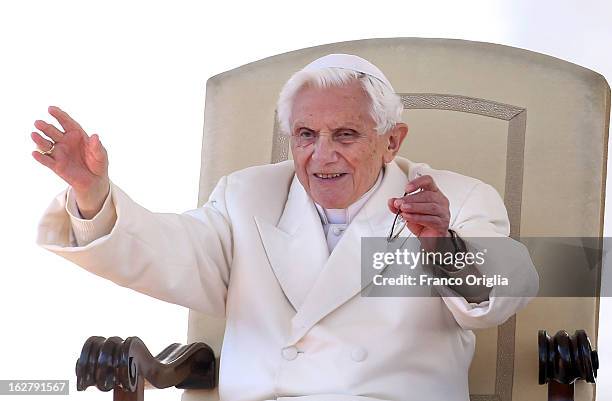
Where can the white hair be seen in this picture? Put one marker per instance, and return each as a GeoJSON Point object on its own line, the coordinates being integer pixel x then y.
{"type": "Point", "coordinates": [385, 106]}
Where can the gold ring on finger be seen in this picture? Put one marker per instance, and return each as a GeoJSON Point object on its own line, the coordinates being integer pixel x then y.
{"type": "Point", "coordinates": [47, 152]}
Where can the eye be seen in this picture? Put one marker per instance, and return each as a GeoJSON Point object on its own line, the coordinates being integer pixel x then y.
{"type": "Point", "coordinates": [347, 136]}
{"type": "Point", "coordinates": [305, 134]}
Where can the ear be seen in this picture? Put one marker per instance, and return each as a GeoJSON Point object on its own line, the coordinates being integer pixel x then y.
{"type": "Point", "coordinates": [396, 136]}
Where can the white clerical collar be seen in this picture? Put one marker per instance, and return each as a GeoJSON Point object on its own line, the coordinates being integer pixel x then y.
{"type": "Point", "coordinates": [345, 216]}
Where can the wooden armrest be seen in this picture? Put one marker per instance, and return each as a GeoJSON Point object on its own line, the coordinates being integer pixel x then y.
{"type": "Point", "coordinates": [126, 366]}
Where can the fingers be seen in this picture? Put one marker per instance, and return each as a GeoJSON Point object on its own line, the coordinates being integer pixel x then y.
{"type": "Point", "coordinates": [64, 119]}
{"type": "Point", "coordinates": [49, 130]}
{"type": "Point", "coordinates": [424, 182]}
{"type": "Point", "coordinates": [42, 143]}
{"type": "Point", "coordinates": [420, 197]}
{"type": "Point", "coordinates": [428, 208]}
{"type": "Point", "coordinates": [432, 222]}
{"type": "Point", "coordinates": [424, 207]}
{"type": "Point", "coordinates": [45, 160]}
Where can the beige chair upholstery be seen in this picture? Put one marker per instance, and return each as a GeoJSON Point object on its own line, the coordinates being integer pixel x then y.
{"type": "Point", "coordinates": [533, 126]}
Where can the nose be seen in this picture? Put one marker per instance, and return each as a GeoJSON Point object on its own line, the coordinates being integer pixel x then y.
{"type": "Point", "coordinates": [325, 150]}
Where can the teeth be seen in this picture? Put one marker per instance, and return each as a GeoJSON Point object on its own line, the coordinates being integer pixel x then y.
{"type": "Point", "coordinates": [328, 175]}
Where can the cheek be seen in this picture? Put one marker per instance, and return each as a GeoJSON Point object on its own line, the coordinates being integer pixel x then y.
{"type": "Point", "coordinates": [366, 164]}
{"type": "Point", "coordinates": [300, 161]}
{"type": "Point", "coordinates": [365, 159]}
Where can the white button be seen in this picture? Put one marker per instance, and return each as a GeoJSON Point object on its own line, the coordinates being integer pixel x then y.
{"type": "Point", "coordinates": [290, 353]}
{"type": "Point", "coordinates": [359, 354]}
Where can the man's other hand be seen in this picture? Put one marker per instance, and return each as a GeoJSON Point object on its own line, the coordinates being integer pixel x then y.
{"type": "Point", "coordinates": [77, 158]}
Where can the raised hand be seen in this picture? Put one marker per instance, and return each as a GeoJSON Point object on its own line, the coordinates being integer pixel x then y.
{"type": "Point", "coordinates": [77, 158]}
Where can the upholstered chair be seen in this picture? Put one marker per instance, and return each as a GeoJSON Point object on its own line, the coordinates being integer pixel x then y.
{"type": "Point", "coordinates": [533, 126]}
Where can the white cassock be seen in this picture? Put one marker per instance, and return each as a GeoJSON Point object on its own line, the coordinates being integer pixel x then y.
{"type": "Point", "coordinates": [297, 327]}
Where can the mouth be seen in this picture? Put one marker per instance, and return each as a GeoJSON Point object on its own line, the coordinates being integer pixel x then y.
{"type": "Point", "coordinates": [329, 177]}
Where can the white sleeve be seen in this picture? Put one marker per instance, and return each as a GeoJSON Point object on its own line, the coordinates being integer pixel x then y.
{"type": "Point", "coordinates": [87, 230]}
{"type": "Point", "coordinates": [482, 222]}
{"type": "Point", "coordinates": [179, 258]}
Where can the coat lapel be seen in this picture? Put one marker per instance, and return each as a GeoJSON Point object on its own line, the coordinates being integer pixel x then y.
{"type": "Point", "coordinates": [296, 247]}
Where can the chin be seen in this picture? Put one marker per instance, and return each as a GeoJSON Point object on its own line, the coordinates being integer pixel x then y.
{"type": "Point", "coordinates": [330, 202]}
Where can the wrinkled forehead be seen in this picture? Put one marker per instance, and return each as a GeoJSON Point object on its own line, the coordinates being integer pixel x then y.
{"type": "Point", "coordinates": [332, 107]}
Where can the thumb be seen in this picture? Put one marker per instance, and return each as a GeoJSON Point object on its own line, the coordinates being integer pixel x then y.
{"type": "Point", "coordinates": [96, 148]}
{"type": "Point", "coordinates": [391, 205]}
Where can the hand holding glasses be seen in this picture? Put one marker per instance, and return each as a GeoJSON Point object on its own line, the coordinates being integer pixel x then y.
{"type": "Point", "coordinates": [423, 209]}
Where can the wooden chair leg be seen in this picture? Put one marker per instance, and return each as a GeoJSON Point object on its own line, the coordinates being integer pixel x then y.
{"type": "Point", "coordinates": [560, 392]}
{"type": "Point", "coordinates": [119, 394]}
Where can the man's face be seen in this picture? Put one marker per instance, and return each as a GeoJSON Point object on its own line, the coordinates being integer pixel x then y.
{"type": "Point", "coordinates": [336, 150]}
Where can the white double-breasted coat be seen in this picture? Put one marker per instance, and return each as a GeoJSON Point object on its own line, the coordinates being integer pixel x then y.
{"type": "Point", "coordinates": [252, 247]}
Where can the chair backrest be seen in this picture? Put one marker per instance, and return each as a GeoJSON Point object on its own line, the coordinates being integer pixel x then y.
{"type": "Point", "coordinates": [533, 126]}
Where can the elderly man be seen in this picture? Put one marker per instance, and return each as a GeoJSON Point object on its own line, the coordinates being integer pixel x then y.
{"type": "Point", "coordinates": [276, 249]}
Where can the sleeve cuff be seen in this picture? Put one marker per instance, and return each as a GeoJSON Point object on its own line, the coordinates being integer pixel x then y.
{"type": "Point", "coordinates": [88, 230]}
{"type": "Point", "coordinates": [447, 292]}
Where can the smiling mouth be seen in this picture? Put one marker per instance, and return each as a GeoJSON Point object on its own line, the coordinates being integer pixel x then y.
{"type": "Point", "coordinates": [329, 176]}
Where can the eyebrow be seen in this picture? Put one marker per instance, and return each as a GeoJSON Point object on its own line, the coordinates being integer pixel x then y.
{"type": "Point", "coordinates": [341, 128]}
